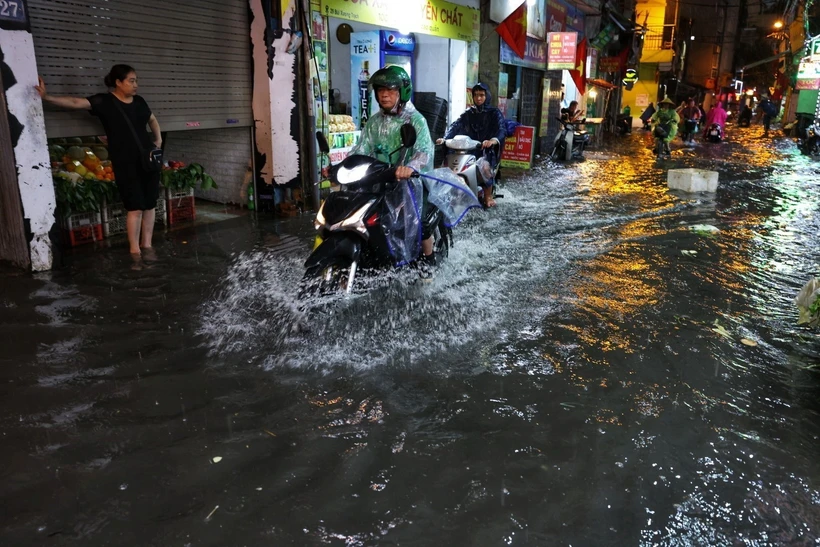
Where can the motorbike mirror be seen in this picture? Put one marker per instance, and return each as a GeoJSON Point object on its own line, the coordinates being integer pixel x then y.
{"type": "Point", "coordinates": [323, 146]}
{"type": "Point", "coordinates": [408, 135]}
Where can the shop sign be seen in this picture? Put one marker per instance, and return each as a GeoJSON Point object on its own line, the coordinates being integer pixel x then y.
{"type": "Point", "coordinates": [433, 17]}
{"type": "Point", "coordinates": [814, 49]}
{"type": "Point", "coordinates": [518, 149]}
{"type": "Point", "coordinates": [561, 54]}
{"type": "Point", "coordinates": [503, 80]}
{"type": "Point", "coordinates": [609, 64]}
{"type": "Point", "coordinates": [631, 77]}
{"type": "Point", "coordinates": [808, 75]}
{"type": "Point", "coordinates": [545, 107]}
{"type": "Point", "coordinates": [556, 16]}
{"type": "Point", "coordinates": [535, 54]}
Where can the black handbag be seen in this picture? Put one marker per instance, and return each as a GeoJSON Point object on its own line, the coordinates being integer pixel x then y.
{"type": "Point", "coordinates": [151, 160]}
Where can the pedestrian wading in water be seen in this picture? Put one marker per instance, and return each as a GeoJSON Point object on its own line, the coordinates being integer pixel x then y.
{"type": "Point", "coordinates": [124, 116]}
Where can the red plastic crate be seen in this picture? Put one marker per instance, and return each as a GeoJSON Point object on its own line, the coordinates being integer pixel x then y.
{"type": "Point", "coordinates": [84, 234]}
{"type": "Point", "coordinates": [82, 228]}
{"type": "Point", "coordinates": [181, 210]}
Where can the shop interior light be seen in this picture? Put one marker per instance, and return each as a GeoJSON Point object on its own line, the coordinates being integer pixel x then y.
{"type": "Point", "coordinates": [692, 38]}
{"type": "Point", "coordinates": [778, 24]}
{"type": "Point", "coordinates": [593, 94]}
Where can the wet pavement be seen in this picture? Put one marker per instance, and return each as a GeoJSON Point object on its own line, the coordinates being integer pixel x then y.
{"type": "Point", "coordinates": [585, 369]}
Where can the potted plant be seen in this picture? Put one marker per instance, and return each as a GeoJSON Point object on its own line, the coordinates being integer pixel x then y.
{"type": "Point", "coordinates": [178, 178]}
{"type": "Point", "coordinates": [179, 181]}
{"type": "Point", "coordinates": [78, 204]}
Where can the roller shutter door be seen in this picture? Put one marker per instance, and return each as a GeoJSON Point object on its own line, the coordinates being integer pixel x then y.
{"type": "Point", "coordinates": [193, 58]}
{"type": "Point", "coordinates": [530, 110]}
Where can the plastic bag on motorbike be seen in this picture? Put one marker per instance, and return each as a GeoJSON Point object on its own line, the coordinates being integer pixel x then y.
{"type": "Point", "coordinates": [450, 194]}
{"type": "Point", "coordinates": [403, 223]}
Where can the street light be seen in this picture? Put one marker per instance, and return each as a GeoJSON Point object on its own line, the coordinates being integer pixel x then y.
{"type": "Point", "coordinates": [778, 24]}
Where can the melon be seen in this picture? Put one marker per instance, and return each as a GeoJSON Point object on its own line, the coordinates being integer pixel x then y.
{"type": "Point", "coordinates": [101, 152]}
{"type": "Point", "coordinates": [76, 153]}
{"type": "Point", "coordinates": [74, 140]}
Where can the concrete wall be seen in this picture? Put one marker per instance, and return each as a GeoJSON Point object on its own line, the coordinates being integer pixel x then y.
{"type": "Point", "coordinates": [274, 98]}
{"type": "Point", "coordinates": [30, 148]}
{"type": "Point", "coordinates": [224, 153]}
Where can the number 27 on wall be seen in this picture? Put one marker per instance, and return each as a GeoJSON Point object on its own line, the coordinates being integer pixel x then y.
{"type": "Point", "coordinates": [10, 9]}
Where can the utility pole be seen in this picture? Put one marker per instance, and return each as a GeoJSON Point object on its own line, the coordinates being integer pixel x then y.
{"type": "Point", "coordinates": [13, 246]}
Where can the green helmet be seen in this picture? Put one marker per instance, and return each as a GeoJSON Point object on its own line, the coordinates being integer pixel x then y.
{"type": "Point", "coordinates": [393, 77]}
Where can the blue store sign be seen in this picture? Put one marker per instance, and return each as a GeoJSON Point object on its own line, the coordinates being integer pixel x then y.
{"type": "Point", "coordinates": [535, 55]}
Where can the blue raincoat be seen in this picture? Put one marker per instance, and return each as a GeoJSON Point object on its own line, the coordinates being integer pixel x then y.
{"type": "Point", "coordinates": [482, 123]}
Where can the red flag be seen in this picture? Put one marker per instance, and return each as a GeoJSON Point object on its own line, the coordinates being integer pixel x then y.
{"type": "Point", "coordinates": [579, 75]}
{"type": "Point", "coordinates": [514, 30]}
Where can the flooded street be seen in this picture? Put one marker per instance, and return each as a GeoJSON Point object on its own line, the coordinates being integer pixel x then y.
{"type": "Point", "coordinates": [584, 369]}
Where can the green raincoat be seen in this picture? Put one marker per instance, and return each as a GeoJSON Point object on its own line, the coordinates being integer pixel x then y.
{"type": "Point", "coordinates": [381, 136]}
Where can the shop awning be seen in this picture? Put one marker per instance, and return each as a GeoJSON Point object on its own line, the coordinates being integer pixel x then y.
{"type": "Point", "coordinates": [603, 84]}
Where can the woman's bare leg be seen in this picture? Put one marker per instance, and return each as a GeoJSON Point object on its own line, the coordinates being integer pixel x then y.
{"type": "Point", "coordinates": [148, 217]}
{"type": "Point", "coordinates": [133, 221]}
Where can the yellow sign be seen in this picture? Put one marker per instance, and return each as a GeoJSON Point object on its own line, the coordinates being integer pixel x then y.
{"type": "Point", "coordinates": [434, 17]}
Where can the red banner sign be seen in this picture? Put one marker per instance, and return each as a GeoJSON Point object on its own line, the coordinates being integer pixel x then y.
{"type": "Point", "coordinates": [561, 50]}
{"type": "Point", "coordinates": [518, 148]}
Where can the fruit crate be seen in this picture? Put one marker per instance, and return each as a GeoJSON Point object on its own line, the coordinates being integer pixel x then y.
{"type": "Point", "coordinates": [82, 228]}
{"type": "Point", "coordinates": [181, 209]}
{"type": "Point", "coordinates": [169, 194]}
{"type": "Point", "coordinates": [113, 217]}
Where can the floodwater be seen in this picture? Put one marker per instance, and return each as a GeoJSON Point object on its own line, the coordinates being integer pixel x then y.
{"type": "Point", "coordinates": [585, 369]}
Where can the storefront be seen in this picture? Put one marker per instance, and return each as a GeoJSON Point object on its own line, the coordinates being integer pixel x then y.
{"type": "Point", "coordinates": [194, 66]}
{"type": "Point", "coordinates": [436, 41]}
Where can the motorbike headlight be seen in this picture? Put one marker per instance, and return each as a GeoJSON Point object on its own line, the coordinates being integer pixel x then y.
{"type": "Point", "coordinates": [356, 220]}
{"type": "Point", "coordinates": [319, 221]}
{"type": "Point", "coordinates": [346, 176]}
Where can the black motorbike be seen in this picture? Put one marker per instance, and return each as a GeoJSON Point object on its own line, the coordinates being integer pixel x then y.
{"type": "Point", "coordinates": [353, 223]}
{"type": "Point", "coordinates": [690, 127]}
{"type": "Point", "coordinates": [661, 147]}
{"type": "Point", "coordinates": [569, 143]}
{"type": "Point", "coordinates": [714, 133]}
{"type": "Point", "coordinates": [809, 141]}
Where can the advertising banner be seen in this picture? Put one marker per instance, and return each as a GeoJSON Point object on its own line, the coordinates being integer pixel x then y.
{"type": "Point", "coordinates": [535, 55]}
{"type": "Point", "coordinates": [556, 16]}
{"type": "Point", "coordinates": [364, 61]}
{"type": "Point", "coordinates": [545, 107]}
{"type": "Point", "coordinates": [434, 17]}
{"type": "Point", "coordinates": [561, 52]}
{"type": "Point", "coordinates": [609, 64]}
{"type": "Point", "coordinates": [808, 75]}
{"type": "Point", "coordinates": [537, 19]}
{"type": "Point", "coordinates": [518, 149]}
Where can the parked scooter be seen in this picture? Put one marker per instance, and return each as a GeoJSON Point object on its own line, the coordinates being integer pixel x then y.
{"type": "Point", "coordinates": [569, 143]}
{"type": "Point", "coordinates": [809, 142]}
{"type": "Point", "coordinates": [462, 158]}
{"type": "Point", "coordinates": [714, 133]}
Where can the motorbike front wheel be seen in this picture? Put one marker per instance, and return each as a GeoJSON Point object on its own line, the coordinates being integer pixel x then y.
{"type": "Point", "coordinates": [326, 280]}
{"type": "Point", "coordinates": [557, 152]}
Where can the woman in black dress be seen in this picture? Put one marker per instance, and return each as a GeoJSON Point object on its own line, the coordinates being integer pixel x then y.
{"type": "Point", "coordinates": [138, 188]}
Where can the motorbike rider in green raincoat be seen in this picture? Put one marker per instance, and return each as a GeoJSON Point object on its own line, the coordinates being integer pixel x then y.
{"type": "Point", "coordinates": [381, 136]}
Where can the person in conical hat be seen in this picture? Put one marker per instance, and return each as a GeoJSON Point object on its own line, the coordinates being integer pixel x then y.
{"type": "Point", "coordinates": [668, 119]}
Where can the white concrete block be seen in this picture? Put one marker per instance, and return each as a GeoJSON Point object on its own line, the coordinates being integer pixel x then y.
{"type": "Point", "coordinates": [692, 180]}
